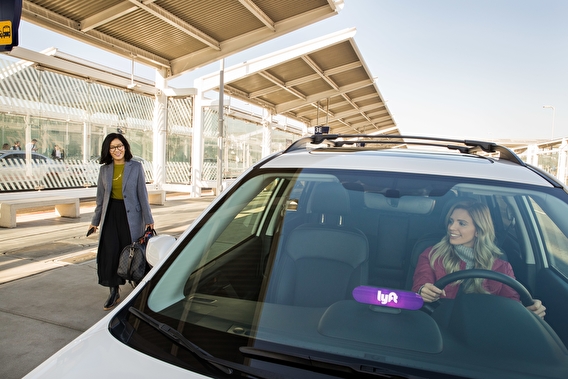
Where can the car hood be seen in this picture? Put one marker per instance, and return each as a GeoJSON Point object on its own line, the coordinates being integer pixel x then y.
{"type": "Point", "coordinates": [97, 354]}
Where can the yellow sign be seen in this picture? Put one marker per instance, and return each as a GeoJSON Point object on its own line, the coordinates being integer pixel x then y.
{"type": "Point", "coordinates": [5, 32]}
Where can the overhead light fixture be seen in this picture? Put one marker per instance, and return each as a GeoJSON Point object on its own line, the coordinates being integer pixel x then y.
{"type": "Point", "coordinates": [132, 85]}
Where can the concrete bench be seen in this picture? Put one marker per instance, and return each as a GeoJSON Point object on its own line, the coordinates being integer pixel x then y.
{"type": "Point", "coordinates": [64, 207]}
{"type": "Point", "coordinates": [157, 197]}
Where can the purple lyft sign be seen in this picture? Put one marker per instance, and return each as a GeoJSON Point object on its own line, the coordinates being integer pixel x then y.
{"type": "Point", "coordinates": [387, 297]}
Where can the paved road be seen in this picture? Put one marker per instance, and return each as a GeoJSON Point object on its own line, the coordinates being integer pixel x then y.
{"type": "Point", "coordinates": [48, 284]}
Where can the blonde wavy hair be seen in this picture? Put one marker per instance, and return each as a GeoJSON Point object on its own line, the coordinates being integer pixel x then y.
{"type": "Point", "coordinates": [485, 252]}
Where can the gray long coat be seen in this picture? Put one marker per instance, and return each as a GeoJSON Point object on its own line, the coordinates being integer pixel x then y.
{"type": "Point", "coordinates": [135, 196]}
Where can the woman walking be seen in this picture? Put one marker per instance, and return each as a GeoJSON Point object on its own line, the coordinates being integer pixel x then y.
{"type": "Point", "coordinates": [122, 209]}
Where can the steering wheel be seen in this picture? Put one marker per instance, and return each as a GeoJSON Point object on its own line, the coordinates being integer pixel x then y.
{"type": "Point", "coordinates": [525, 295]}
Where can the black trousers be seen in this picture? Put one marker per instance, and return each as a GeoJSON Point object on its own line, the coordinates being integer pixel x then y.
{"type": "Point", "coordinates": [115, 236]}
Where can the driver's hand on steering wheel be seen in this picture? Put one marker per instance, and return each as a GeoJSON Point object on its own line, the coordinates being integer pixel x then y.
{"type": "Point", "coordinates": [431, 293]}
{"type": "Point", "coordinates": [537, 308]}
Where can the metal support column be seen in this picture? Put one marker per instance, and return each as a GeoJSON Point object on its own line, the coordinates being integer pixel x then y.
{"type": "Point", "coordinates": [562, 157]}
{"type": "Point", "coordinates": [266, 132]}
{"type": "Point", "coordinates": [160, 129]}
{"type": "Point", "coordinates": [197, 144]}
{"type": "Point", "coordinates": [220, 144]}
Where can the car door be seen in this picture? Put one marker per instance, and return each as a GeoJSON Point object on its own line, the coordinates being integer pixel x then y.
{"type": "Point", "coordinates": [546, 221]}
{"type": "Point", "coordinates": [13, 165]}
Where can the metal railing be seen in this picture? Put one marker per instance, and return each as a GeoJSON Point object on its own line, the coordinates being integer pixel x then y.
{"type": "Point", "coordinates": [17, 175]}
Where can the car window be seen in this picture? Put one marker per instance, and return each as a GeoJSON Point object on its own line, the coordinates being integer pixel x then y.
{"type": "Point", "coordinates": [282, 262]}
{"type": "Point", "coordinates": [554, 239]}
{"type": "Point", "coordinates": [15, 156]}
{"type": "Point", "coordinates": [39, 158]}
{"type": "Point", "coordinates": [245, 224]}
{"type": "Point", "coordinates": [22, 157]}
{"type": "Point", "coordinates": [229, 233]}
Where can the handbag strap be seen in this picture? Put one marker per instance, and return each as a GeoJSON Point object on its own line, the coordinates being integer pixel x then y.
{"type": "Point", "coordinates": [150, 232]}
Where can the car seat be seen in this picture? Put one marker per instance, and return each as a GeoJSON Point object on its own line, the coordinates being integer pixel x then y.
{"type": "Point", "coordinates": [324, 258]}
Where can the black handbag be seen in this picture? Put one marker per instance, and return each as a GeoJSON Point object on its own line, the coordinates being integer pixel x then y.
{"type": "Point", "coordinates": [132, 265]}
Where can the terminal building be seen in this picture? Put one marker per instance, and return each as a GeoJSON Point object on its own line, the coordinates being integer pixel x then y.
{"type": "Point", "coordinates": [186, 139]}
{"type": "Point", "coordinates": [199, 137]}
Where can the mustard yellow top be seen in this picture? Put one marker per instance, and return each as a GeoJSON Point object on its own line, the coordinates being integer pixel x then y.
{"type": "Point", "coordinates": [116, 192]}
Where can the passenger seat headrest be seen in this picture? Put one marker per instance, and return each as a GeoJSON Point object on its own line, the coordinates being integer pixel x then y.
{"type": "Point", "coordinates": [330, 198]}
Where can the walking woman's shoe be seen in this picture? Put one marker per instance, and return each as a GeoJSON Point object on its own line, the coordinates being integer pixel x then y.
{"type": "Point", "coordinates": [112, 298]}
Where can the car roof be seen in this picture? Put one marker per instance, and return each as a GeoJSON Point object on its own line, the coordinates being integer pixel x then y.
{"type": "Point", "coordinates": [448, 162]}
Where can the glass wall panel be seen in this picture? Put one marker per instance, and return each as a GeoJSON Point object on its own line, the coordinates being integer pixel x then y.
{"type": "Point", "coordinates": [61, 110]}
{"type": "Point", "coordinates": [12, 129]}
{"type": "Point", "coordinates": [210, 132]}
{"type": "Point", "coordinates": [76, 114]}
{"type": "Point", "coordinates": [282, 139]}
{"type": "Point", "coordinates": [548, 161]}
{"type": "Point", "coordinates": [179, 140]}
{"type": "Point", "coordinates": [68, 136]}
{"type": "Point", "coordinates": [243, 146]}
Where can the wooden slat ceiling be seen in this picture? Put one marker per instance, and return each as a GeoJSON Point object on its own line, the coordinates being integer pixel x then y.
{"type": "Point", "coordinates": [178, 35]}
{"type": "Point", "coordinates": [329, 85]}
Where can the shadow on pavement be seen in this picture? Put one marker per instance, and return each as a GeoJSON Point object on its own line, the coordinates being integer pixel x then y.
{"type": "Point", "coordinates": [49, 291]}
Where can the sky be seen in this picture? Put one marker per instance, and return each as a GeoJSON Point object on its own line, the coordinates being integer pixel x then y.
{"type": "Point", "coordinates": [448, 68]}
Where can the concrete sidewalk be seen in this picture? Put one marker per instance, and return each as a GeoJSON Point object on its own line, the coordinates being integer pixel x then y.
{"type": "Point", "coordinates": [48, 281]}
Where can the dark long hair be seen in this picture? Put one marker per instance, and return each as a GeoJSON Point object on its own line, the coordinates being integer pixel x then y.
{"type": "Point", "coordinates": [106, 157]}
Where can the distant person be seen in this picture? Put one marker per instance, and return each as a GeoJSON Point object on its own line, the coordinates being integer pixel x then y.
{"type": "Point", "coordinates": [468, 244]}
{"type": "Point", "coordinates": [16, 146]}
{"type": "Point", "coordinates": [6, 146]}
{"type": "Point", "coordinates": [57, 153]}
{"type": "Point", "coordinates": [122, 209]}
{"type": "Point", "coordinates": [32, 146]}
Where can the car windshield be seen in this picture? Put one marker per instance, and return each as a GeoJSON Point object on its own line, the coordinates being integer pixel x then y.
{"type": "Point", "coordinates": [301, 267]}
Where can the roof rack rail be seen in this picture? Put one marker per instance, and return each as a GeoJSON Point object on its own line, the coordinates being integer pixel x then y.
{"type": "Point", "coordinates": [463, 146]}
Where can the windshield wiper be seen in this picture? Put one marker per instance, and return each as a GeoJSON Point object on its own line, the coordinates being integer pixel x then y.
{"type": "Point", "coordinates": [351, 369]}
{"type": "Point", "coordinates": [226, 367]}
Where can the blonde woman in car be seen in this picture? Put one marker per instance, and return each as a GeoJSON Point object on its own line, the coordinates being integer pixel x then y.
{"type": "Point", "coordinates": [468, 244]}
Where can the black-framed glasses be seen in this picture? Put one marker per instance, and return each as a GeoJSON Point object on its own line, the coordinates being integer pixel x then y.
{"type": "Point", "coordinates": [117, 147]}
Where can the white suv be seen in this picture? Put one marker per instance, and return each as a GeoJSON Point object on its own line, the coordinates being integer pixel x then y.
{"type": "Point", "coordinates": [304, 268]}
